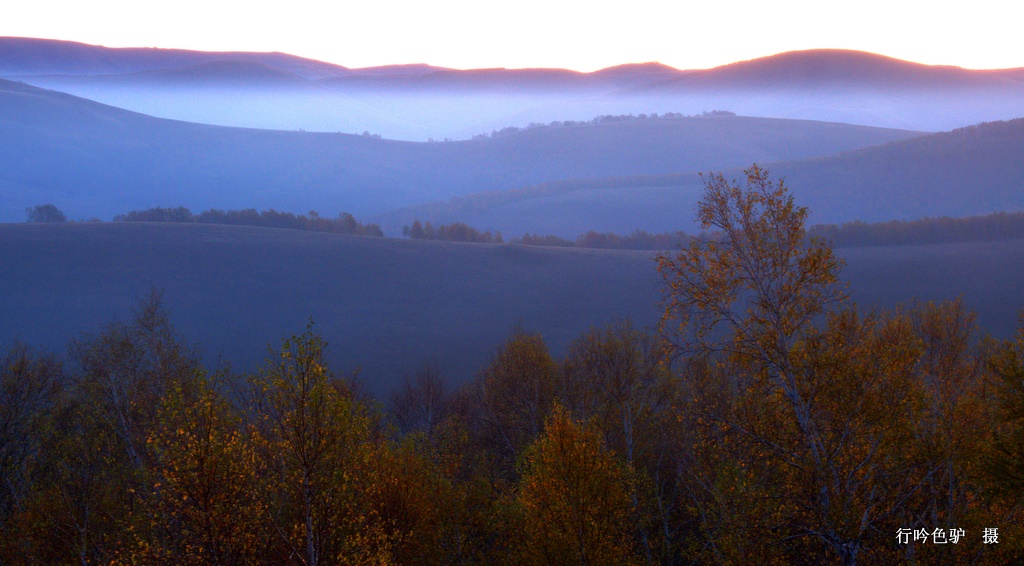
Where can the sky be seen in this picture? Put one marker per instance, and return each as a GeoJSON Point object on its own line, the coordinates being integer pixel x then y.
{"type": "Point", "coordinates": [573, 34]}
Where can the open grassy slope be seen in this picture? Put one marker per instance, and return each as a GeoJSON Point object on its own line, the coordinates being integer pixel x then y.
{"type": "Point", "coordinates": [387, 305]}
{"type": "Point", "coordinates": [969, 171]}
{"type": "Point", "coordinates": [96, 160]}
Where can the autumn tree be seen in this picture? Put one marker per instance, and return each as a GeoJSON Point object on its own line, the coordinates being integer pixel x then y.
{"type": "Point", "coordinates": [1006, 461]}
{"type": "Point", "coordinates": [574, 498]}
{"type": "Point", "coordinates": [201, 507]}
{"type": "Point", "coordinates": [512, 396]}
{"type": "Point", "coordinates": [616, 378]}
{"type": "Point", "coordinates": [97, 459]}
{"type": "Point", "coordinates": [31, 390]}
{"type": "Point", "coordinates": [1002, 458]}
{"type": "Point", "coordinates": [759, 281]}
{"type": "Point", "coordinates": [126, 369]}
{"type": "Point", "coordinates": [308, 435]}
{"type": "Point", "coordinates": [421, 403]}
{"type": "Point", "coordinates": [804, 414]}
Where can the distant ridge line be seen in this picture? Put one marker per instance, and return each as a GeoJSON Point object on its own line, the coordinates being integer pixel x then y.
{"type": "Point", "coordinates": [20, 54]}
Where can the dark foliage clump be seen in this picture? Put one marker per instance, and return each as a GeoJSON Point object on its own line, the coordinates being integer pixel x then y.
{"type": "Point", "coordinates": [45, 213]}
{"type": "Point", "coordinates": [987, 228]}
{"type": "Point", "coordinates": [638, 240]}
{"type": "Point", "coordinates": [454, 232]}
{"type": "Point", "coordinates": [345, 223]}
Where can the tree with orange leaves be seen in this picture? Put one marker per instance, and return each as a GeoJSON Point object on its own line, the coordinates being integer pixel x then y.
{"type": "Point", "coordinates": [575, 498]}
{"type": "Point", "coordinates": [806, 418]}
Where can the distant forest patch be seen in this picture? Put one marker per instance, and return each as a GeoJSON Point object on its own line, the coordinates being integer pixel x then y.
{"type": "Point", "coordinates": [638, 240]}
{"type": "Point", "coordinates": [987, 228]}
{"type": "Point", "coordinates": [345, 223]}
{"type": "Point", "coordinates": [454, 232]}
{"type": "Point", "coordinates": [993, 227]}
{"type": "Point", "coordinates": [603, 119]}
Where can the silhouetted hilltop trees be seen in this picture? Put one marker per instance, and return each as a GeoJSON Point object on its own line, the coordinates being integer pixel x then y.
{"type": "Point", "coordinates": [988, 228]}
{"type": "Point", "coordinates": [45, 213]}
{"type": "Point", "coordinates": [454, 232]}
{"type": "Point", "coordinates": [539, 240]}
{"type": "Point", "coordinates": [345, 223]}
{"type": "Point", "coordinates": [945, 230]}
{"type": "Point", "coordinates": [638, 240]}
{"type": "Point", "coordinates": [603, 119]}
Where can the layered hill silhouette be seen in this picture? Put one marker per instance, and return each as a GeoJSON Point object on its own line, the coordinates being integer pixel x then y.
{"type": "Point", "coordinates": [969, 171]}
{"type": "Point", "coordinates": [94, 160]}
{"type": "Point", "coordinates": [838, 68]}
{"type": "Point", "coordinates": [417, 102]}
{"type": "Point", "coordinates": [388, 305]}
{"type": "Point", "coordinates": [25, 57]}
{"type": "Point", "coordinates": [793, 70]}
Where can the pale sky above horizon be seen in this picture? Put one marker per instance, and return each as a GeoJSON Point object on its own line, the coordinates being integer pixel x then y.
{"type": "Point", "coordinates": [572, 34]}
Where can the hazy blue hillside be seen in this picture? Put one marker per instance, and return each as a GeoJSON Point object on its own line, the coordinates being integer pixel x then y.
{"type": "Point", "coordinates": [387, 305]}
{"type": "Point", "coordinates": [417, 102]}
{"type": "Point", "coordinates": [969, 171]}
{"type": "Point", "coordinates": [850, 86]}
{"type": "Point", "coordinates": [22, 56]}
{"type": "Point", "coordinates": [95, 160]}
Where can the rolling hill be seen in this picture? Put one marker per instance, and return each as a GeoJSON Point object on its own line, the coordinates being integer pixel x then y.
{"type": "Point", "coordinates": [25, 57]}
{"type": "Point", "coordinates": [94, 160]}
{"type": "Point", "coordinates": [417, 102]}
{"type": "Point", "coordinates": [969, 171]}
{"type": "Point", "coordinates": [388, 305]}
{"type": "Point", "coordinates": [835, 69]}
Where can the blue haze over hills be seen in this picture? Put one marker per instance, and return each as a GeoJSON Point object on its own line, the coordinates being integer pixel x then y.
{"type": "Point", "coordinates": [100, 131]}
{"type": "Point", "coordinates": [417, 102]}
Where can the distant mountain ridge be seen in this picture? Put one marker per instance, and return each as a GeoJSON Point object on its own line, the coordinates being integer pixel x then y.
{"type": "Point", "coordinates": [419, 101]}
{"type": "Point", "coordinates": [22, 56]}
{"type": "Point", "coordinates": [240, 73]}
{"type": "Point", "coordinates": [832, 68]}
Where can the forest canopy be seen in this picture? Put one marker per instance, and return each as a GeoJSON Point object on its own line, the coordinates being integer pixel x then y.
{"type": "Point", "coordinates": [767, 420]}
